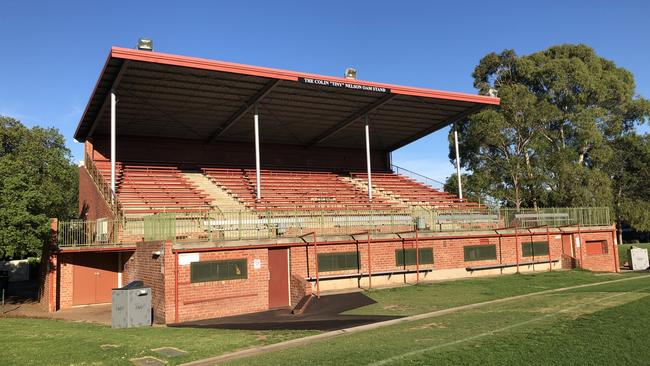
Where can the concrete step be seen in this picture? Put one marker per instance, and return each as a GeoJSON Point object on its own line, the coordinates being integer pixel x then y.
{"type": "Point", "coordinates": [363, 185]}
{"type": "Point", "coordinates": [218, 196]}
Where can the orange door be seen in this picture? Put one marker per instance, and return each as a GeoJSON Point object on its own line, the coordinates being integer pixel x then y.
{"type": "Point", "coordinates": [94, 276]}
{"type": "Point", "coordinates": [278, 278]}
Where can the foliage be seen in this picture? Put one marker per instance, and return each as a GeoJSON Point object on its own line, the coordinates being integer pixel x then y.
{"type": "Point", "coordinates": [37, 182]}
{"type": "Point", "coordinates": [471, 190]}
{"type": "Point", "coordinates": [630, 171]}
{"type": "Point", "coordinates": [550, 143]}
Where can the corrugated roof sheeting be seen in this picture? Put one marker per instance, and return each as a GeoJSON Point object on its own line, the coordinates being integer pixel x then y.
{"type": "Point", "coordinates": [165, 100]}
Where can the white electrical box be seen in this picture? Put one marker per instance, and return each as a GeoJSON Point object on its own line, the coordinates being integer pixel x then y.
{"type": "Point", "coordinates": [638, 258]}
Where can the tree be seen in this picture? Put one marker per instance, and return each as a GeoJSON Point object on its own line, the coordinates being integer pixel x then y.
{"type": "Point", "coordinates": [550, 141]}
{"type": "Point", "coordinates": [630, 169]}
{"type": "Point", "coordinates": [37, 181]}
{"type": "Point", "coordinates": [469, 194]}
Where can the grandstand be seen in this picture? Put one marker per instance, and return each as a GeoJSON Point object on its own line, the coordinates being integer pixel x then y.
{"type": "Point", "coordinates": [232, 188]}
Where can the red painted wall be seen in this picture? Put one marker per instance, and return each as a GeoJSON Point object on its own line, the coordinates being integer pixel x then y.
{"type": "Point", "coordinates": [91, 203]}
{"type": "Point", "coordinates": [190, 154]}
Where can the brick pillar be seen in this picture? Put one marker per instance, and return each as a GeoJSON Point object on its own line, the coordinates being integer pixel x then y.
{"type": "Point", "coordinates": [48, 287]}
{"type": "Point", "coordinates": [615, 247]}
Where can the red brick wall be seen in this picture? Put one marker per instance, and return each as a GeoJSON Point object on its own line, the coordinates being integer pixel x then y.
{"type": "Point", "coordinates": [129, 268]}
{"type": "Point", "coordinates": [65, 280]}
{"type": "Point", "coordinates": [448, 253]}
{"type": "Point", "coordinates": [299, 289]}
{"type": "Point", "coordinates": [91, 203]}
{"type": "Point", "coordinates": [190, 153]}
{"type": "Point", "coordinates": [150, 269]}
{"type": "Point", "coordinates": [49, 263]}
{"type": "Point", "coordinates": [223, 298]}
{"type": "Point", "coordinates": [596, 262]}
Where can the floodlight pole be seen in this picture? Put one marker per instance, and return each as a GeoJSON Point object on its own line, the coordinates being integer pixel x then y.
{"type": "Point", "coordinates": [368, 158]}
{"type": "Point", "coordinates": [460, 184]}
{"type": "Point", "coordinates": [257, 155]}
{"type": "Point", "coordinates": [113, 117]}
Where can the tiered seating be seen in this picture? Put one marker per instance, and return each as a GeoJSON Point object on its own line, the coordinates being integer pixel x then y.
{"type": "Point", "coordinates": [414, 192]}
{"type": "Point", "coordinates": [153, 189]}
{"type": "Point", "coordinates": [233, 181]}
{"type": "Point", "coordinates": [287, 190]}
{"type": "Point", "coordinates": [104, 167]}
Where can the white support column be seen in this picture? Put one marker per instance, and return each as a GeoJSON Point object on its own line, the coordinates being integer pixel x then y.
{"type": "Point", "coordinates": [257, 154]}
{"type": "Point", "coordinates": [113, 117]}
{"type": "Point", "coordinates": [460, 184]}
{"type": "Point", "coordinates": [368, 158]}
{"type": "Point", "coordinates": [119, 269]}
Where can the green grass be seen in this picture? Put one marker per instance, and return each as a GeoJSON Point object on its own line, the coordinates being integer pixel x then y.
{"type": "Point", "coordinates": [622, 251]}
{"type": "Point", "coordinates": [424, 298]}
{"type": "Point", "coordinates": [600, 325]}
{"type": "Point", "coordinates": [52, 342]}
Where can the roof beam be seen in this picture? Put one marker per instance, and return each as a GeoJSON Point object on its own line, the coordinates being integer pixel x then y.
{"type": "Point", "coordinates": [436, 127]}
{"type": "Point", "coordinates": [353, 118]}
{"type": "Point", "coordinates": [106, 103]}
{"type": "Point", "coordinates": [244, 109]}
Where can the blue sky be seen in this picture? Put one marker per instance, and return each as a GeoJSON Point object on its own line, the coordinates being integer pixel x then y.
{"type": "Point", "coordinates": [51, 52]}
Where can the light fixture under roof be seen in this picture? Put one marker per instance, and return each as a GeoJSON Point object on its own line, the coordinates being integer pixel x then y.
{"type": "Point", "coordinates": [145, 44]}
{"type": "Point", "coordinates": [351, 73]}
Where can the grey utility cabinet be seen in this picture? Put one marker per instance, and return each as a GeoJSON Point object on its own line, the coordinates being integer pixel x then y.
{"type": "Point", "coordinates": [131, 306]}
{"type": "Point", "coordinates": [638, 258]}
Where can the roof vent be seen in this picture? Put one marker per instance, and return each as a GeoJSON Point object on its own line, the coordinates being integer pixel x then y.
{"type": "Point", "coordinates": [351, 73]}
{"type": "Point", "coordinates": [145, 44]}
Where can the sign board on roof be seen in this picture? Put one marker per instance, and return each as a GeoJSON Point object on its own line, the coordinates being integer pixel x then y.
{"type": "Point", "coordinates": [344, 85]}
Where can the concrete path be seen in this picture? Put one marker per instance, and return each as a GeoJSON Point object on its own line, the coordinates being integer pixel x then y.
{"type": "Point", "coordinates": [324, 336]}
{"type": "Point", "coordinates": [100, 313]}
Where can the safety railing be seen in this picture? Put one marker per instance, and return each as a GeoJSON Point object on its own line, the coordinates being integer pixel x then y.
{"type": "Point", "coordinates": [418, 177]}
{"type": "Point", "coordinates": [104, 189]}
{"type": "Point", "coordinates": [218, 226]}
{"type": "Point", "coordinates": [80, 233]}
{"type": "Point", "coordinates": [555, 217]}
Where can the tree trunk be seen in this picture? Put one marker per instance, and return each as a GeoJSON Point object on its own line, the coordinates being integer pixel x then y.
{"type": "Point", "coordinates": [515, 182]}
{"type": "Point", "coordinates": [620, 233]}
{"type": "Point", "coordinates": [529, 169]}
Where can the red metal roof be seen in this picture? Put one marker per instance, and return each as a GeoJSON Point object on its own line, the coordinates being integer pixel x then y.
{"type": "Point", "coordinates": [148, 82]}
{"type": "Point", "coordinates": [231, 67]}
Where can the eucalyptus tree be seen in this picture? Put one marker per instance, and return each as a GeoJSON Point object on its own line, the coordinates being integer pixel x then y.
{"type": "Point", "coordinates": [551, 140]}
{"type": "Point", "coordinates": [37, 181]}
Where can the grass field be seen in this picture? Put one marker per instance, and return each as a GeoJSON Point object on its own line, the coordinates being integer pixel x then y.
{"type": "Point", "coordinates": [622, 250]}
{"type": "Point", "coordinates": [600, 325]}
{"type": "Point", "coordinates": [423, 298]}
{"type": "Point", "coordinates": [51, 342]}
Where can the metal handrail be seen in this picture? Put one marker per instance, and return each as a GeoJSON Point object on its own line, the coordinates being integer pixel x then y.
{"type": "Point", "coordinates": [104, 189]}
{"type": "Point", "coordinates": [417, 176]}
{"type": "Point", "coordinates": [215, 226]}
